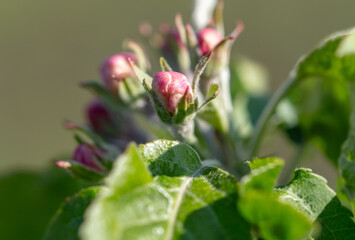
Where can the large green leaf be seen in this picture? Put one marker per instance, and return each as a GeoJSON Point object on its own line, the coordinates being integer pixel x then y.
{"type": "Point", "coordinates": [321, 96]}
{"type": "Point", "coordinates": [307, 192]}
{"type": "Point", "coordinates": [336, 222]}
{"type": "Point", "coordinates": [310, 194]}
{"type": "Point", "coordinates": [272, 219]}
{"type": "Point", "coordinates": [28, 200]}
{"type": "Point", "coordinates": [162, 191]}
{"type": "Point", "coordinates": [347, 158]}
{"type": "Point", "coordinates": [67, 220]}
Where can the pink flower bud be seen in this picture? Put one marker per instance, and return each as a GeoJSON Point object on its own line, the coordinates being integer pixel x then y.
{"type": "Point", "coordinates": [116, 68]}
{"type": "Point", "coordinates": [99, 117]}
{"type": "Point", "coordinates": [208, 38]}
{"type": "Point", "coordinates": [170, 87]}
{"type": "Point", "coordinates": [89, 156]}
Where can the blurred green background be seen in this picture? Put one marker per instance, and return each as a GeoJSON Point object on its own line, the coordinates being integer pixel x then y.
{"type": "Point", "coordinates": [48, 47]}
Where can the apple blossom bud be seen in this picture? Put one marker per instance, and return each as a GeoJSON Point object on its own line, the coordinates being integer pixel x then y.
{"type": "Point", "coordinates": [170, 87]}
{"type": "Point", "coordinates": [89, 156]}
{"type": "Point", "coordinates": [208, 38]}
{"type": "Point", "coordinates": [99, 117]}
{"type": "Point", "coordinates": [116, 68]}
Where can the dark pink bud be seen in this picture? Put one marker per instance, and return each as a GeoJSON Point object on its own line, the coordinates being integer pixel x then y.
{"type": "Point", "coordinates": [116, 68]}
{"type": "Point", "coordinates": [170, 87]}
{"type": "Point", "coordinates": [208, 38]}
{"type": "Point", "coordinates": [89, 156]}
{"type": "Point", "coordinates": [99, 117]}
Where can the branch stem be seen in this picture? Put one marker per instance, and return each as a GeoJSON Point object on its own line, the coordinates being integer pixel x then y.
{"type": "Point", "coordinates": [266, 114]}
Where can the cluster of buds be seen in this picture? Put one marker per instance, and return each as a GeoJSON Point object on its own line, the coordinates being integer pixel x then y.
{"type": "Point", "coordinates": [175, 94]}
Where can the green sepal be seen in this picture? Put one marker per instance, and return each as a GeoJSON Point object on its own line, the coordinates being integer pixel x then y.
{"type": "Point", "coordinates": [200, 67]}
{"type": "Point", "coordinates": [163, 114]}
{"type": "Point", "coordinates": [165, 67]}
{"type": "Point", "coordinates": [143, 61]}
{"type": "Point", "coordinates": [185, 108]}
{"type": "Point", "coordinates": [83, 172]}
{"type": "Point", "coordinates": [142, 75]}
{"type": "Point", "coordinates": [213, 112]}
{"type": "Point", "coordinates": [131, 92]}
{"type": "Point", "coordinates": [213, 93]}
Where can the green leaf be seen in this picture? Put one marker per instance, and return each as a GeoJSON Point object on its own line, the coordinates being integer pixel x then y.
{"type": "Point", "coordinates": [162, 191]}
{"type": "Point", "coordinates": [347, 157]}
{"type": "Point", "coordinates": [263, 175]}
{"type": "Point", "coordinates": [307, 192]}
{"type": "Point", "coordinates": [67, 220]}
{"type": "Point", "coordinates": [272, 218]}
{"type": "Point", "coordinates": [321, 96]}
{"type": "Point", "coordinates": [336, 222]}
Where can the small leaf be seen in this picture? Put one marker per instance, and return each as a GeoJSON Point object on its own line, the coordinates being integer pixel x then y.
{"type": "Point", "coordinates": [213, 112]}
{"type": "Point", "coordinates": [263, 175]}
{"type": "Point", "coordinates": [213, 92]}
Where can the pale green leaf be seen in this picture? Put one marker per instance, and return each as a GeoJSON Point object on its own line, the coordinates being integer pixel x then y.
{"type": "Point", "coordinates": [181, 200]}
{"type": "Point", "coordinates": [263, 175]}
{"type": "Point", "coordinates": [307, 192]}
{"type": "Point", "coordinates": [272, 218]}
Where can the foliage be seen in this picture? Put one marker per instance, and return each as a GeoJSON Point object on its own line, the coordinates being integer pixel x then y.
{"type": "Point", "coordinates": [173, 154]}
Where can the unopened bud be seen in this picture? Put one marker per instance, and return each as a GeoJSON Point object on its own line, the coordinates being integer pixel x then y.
{"type": "Point", "coordinates": [115, 69]}
{"type": "Point", "coordinates": [170, 87]}
{"type": "Point", "coordinates": [208, 38]}
{"type": "Point", "coordinates": [89, 156]}
{"type": "Point", "coordinates": [100, 118]}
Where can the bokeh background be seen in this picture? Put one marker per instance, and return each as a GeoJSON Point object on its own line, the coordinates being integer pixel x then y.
{"type": "Point", "coordinates": [48, 47]}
